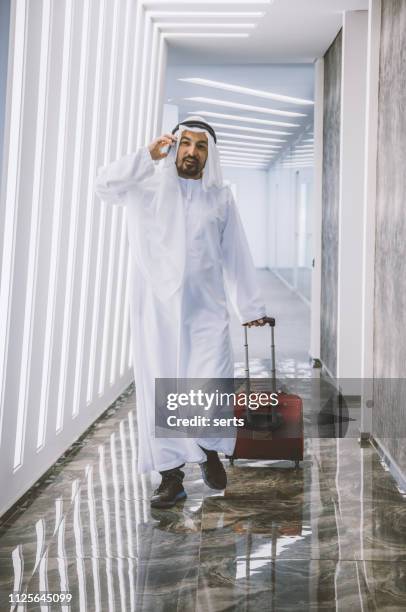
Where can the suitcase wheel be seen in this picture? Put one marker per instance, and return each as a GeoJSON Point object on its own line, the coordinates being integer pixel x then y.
{"type": "Point", "coordinates": [297, 464]}
{"type": "Point", "coordinates": [230, 459]}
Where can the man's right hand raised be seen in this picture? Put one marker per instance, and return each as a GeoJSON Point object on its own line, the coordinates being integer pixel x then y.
{"type": "Point", "coordinates": [156, 146]}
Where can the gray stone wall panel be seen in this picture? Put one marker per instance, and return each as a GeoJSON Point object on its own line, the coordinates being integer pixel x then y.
{"type": "Point", "coordinates": [330, 203]}
{"type": "Point", "coordinates": [389, 415]}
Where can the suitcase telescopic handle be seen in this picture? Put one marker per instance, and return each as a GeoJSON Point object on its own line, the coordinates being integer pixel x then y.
{"type": "Point", "coordinates": [271, 322]}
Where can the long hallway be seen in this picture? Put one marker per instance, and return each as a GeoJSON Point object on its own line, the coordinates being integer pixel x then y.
{"type": "Point", "coordinates": [171, 171]}
{"type": "Point", "coordinates": [330, 536]}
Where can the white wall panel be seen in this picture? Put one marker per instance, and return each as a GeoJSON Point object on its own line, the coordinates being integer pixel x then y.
{"type": "Point", "coordinates": [251, 189]}
{"type": "Point", "coordinates": [52, 195]}
{"type": "Point", "coordinates": [289, 230]}
{"type": "Point", "coordinates": [82, 75]}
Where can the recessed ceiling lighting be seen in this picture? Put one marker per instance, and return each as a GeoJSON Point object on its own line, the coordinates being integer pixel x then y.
{"type": "Point", "coordinates": [163, 3]}
{"type": "Point", "coordinates": [246, 137]}
{"type": "Point", "coordinates": [246, 163]}
{"type": "Point", "coordinates": [244, 119]}
{"type": "Point", "coordinates": [269, 147]}
{"type": "Point", "coordinates": [291, 161]}
{"type": "Point", "coordinates": [243, 166]}
{"type": "Point", "coordinates": [247, 153]}
{"type": "Point", "coordinates": [309, 156]}
{"type": "Point", "coordinates": [205, 35]}
{"type": "Point", "coordinates": [247, 26]}
{"type": "Point", "coordinates": [259, 93]}
{"type": "Point", "coordinates": [305, 161]}
{"type": "Point", "coordinates": [237, 144]}
{"type": "Point", "coordinates": [247, 129]}
{"type": "Point", "coordinates": [235, 154]}
{"type": "Point", "coordinates": [215, 14]}
{"type": "Point", "coordinates": [297, 165]}
{"type": "Point", "coordinates": [246, 107]}
{"type": "Point", "coordinates": [250, 149]}
{"type": "Point", "coordinates": [241, 160]}
{"type": "Point", "coordinates": [244, 154]}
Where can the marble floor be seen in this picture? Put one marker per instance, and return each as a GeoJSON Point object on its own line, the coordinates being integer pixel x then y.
{"type": "Point", "coordinates": [329, 536]}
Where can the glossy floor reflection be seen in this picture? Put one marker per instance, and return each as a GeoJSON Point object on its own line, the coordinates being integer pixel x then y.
{"type": "Point", "coordinates": [329, 536]}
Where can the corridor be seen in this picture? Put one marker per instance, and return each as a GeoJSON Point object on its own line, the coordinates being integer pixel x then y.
{"type": "Point", "coordinates": [173, 174]}
{"type": "Point", "coordinates": [330, 536]}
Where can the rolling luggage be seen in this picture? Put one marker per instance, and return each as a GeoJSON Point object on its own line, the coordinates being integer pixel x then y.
{"type": "Point", "coordinates": [269, 432]}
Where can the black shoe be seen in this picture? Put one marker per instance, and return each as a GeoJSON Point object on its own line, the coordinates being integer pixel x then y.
{"type": "Point", "coordinates": [170, 491]}
{"type": "Point", "coordinates": [213, 472]}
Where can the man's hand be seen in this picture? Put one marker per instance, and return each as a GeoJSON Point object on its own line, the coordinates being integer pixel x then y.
{"type": "Point", "coordinates": [156, 146]}
{"type": "Point", "coordinates": [256, 323]}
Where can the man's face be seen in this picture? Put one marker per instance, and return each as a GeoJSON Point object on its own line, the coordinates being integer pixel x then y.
{"type": "Point", "coordinates": [192, 154]}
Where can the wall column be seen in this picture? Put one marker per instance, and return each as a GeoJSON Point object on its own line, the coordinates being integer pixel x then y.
{"type": "Point", "coordinates": [317, 210]}
{"type": "Point", "coordinates": [371, 142]}
{"type": "Point", "coordinates": [353, 98]}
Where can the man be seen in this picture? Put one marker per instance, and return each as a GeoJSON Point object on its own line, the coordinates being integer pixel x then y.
{"type": "Point", "coordinates": [185, 238]}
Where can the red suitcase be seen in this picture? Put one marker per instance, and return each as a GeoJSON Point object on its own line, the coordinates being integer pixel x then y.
{"type": "Point", "coordinates": [270, 432]}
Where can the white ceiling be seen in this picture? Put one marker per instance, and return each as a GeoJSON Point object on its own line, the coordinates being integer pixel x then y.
{"type": "Point", "coordinates": [290, 31]}
{"type": "Point", "coordinates": [286, 79]}
{"type": "Point", "coordinates": [277, 57]}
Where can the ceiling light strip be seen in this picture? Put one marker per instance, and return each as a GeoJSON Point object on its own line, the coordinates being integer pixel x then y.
{"type": "Point", "coordinates": [256, 153]}
{"type": "Point", "coordinates": [243, 165]}
{"type": "Point", "coordinates": [245, 159]}
{"type": "Point", "coordinates": [247, 137]}
{"type": "Point", "coordinates": [169, 3]}
{"type": "Point", "coordinates": [247, 107]}
{"type": "Point", "coordinates": [254, 160]}
{"type": "Point", "coordinates": [225, 141]}
{"type": "Point", "coordinates": [297, 165]}
{"type": "Point", "coordinates": [245, 128]}
{"type": "Point", "coordinates": [243, 119]}
{"type": "Point", "coordinates": [205, 35]}
{"type": "Point", "coordinates": [214, 14]}
{"type": "Point", "coordinates": [251, 130]}
{"type": "Point", "coordinates": [259, 93]}
{"type": "Point", "coordinates": [299, 157]}
{"type": "Point", "coordinates": [244, 156]}
{"type": "Point", "coordinates": [252, 151]}
{"type": "Point", "coordinates": [247, 26]}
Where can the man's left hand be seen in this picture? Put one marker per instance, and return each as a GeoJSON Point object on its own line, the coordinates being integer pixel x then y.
{"type": "Point", "coordinates": [256, 323]}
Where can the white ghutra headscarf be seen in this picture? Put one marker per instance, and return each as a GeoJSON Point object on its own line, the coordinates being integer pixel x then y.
{"type": "Point", "coordinates": [160, 219]}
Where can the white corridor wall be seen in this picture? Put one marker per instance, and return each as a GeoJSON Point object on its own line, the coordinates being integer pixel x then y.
{"type": "Point", "coordinates": [84, 87]}
{"type": "Point", "coordinates": [290, 239]}
{"type": "Point", "coordinates": [251, 195]}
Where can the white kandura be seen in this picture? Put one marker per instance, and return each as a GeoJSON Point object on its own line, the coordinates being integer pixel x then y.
{"type": "Point", "coordinates": [187, 246]}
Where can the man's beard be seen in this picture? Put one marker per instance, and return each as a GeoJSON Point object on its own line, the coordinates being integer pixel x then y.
{"type": "Point", "coordinates": [190, 169]}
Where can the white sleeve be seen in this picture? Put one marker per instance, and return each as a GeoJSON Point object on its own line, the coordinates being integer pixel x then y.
{"type": "Point", "coordinates": [114, 180]}
{"type": "Point", "coordinates": [238, 268]}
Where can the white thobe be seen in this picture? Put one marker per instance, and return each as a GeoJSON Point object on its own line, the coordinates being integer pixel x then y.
{"type": "Point", "coordinates": [188, 335]}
